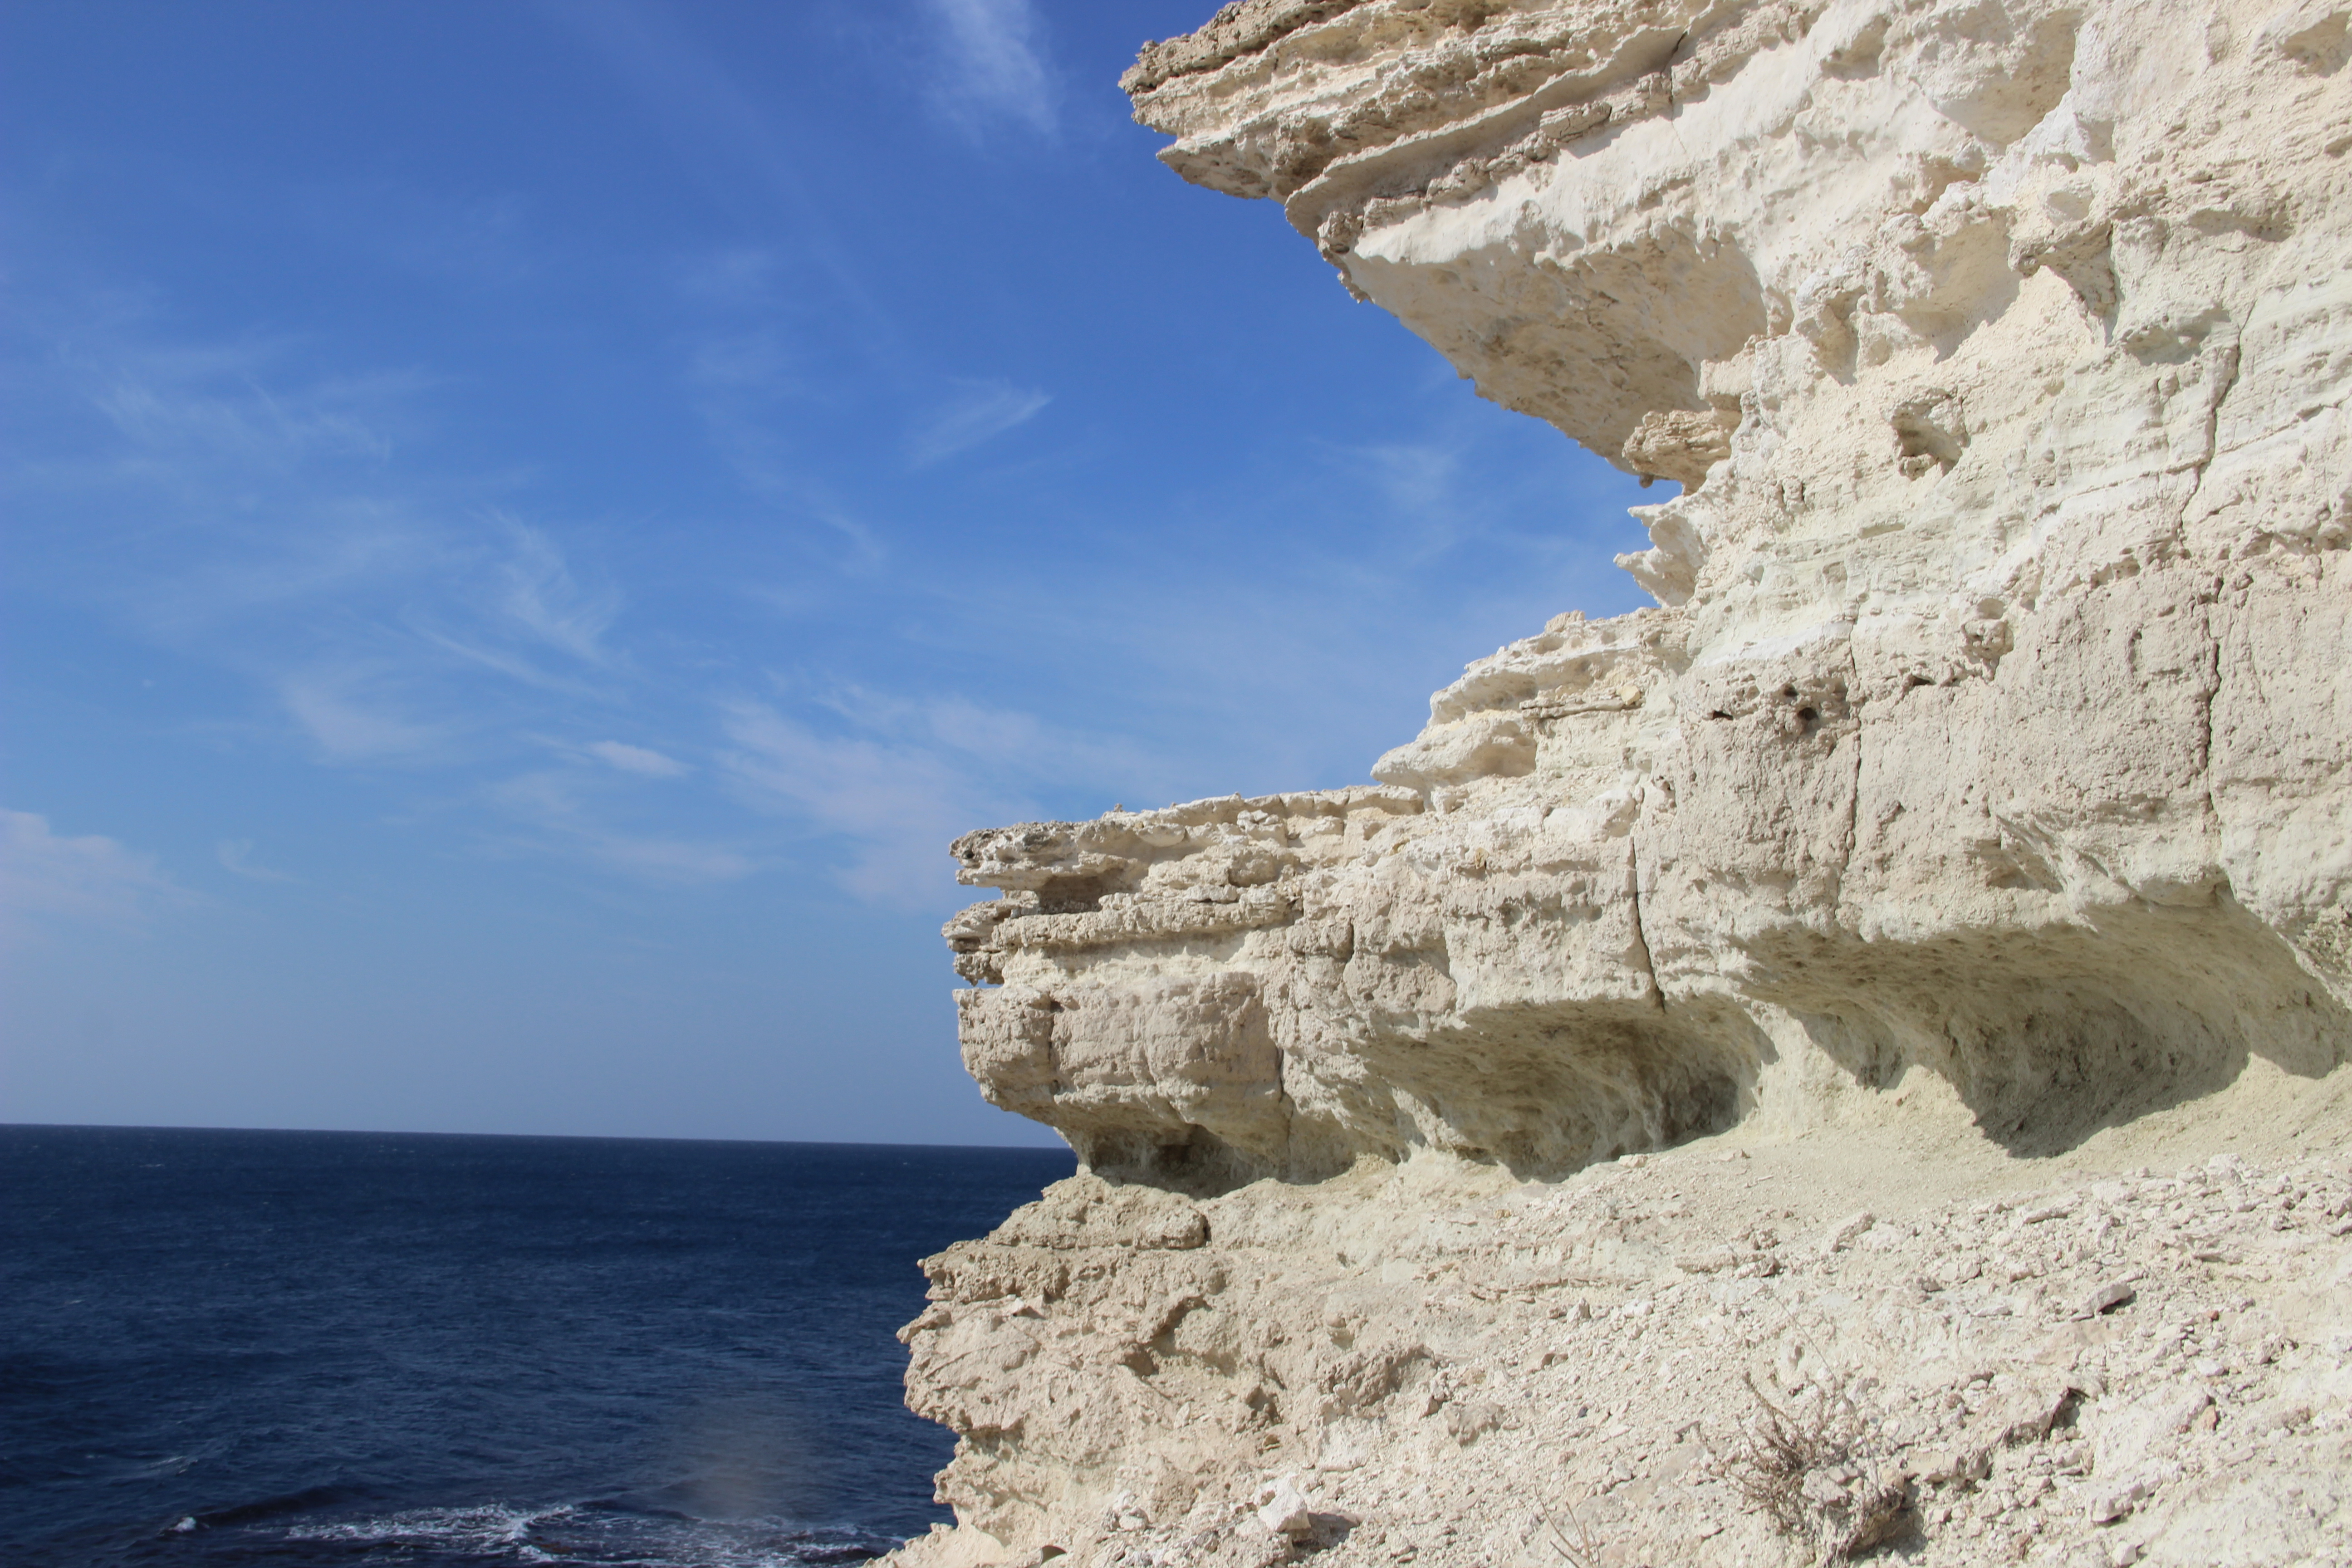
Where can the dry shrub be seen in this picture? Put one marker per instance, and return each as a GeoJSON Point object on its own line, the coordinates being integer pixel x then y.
{"type": "Point", "coordinates": [1816, 1471]}
{"type": "Point", "coordinates": [1578, 1554]}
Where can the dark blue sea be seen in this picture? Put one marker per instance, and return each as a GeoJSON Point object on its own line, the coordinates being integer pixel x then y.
{"type": "Point", "coordinates": [344, 1349]}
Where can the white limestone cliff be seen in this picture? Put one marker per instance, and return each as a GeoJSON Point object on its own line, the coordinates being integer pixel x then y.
{"type": "Point", "coordinates": [1972, 818]}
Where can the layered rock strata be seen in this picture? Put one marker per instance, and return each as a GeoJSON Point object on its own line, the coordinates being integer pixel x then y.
{"type": "Point", "coordinates": [1979, 795]}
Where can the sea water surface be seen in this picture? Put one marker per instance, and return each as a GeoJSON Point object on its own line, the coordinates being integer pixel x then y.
{"type": "Point", "coordinates": [337, 1348]}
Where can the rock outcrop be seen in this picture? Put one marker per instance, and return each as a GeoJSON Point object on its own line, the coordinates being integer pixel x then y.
{"type": "Point", "coordinates": [1972, 816]}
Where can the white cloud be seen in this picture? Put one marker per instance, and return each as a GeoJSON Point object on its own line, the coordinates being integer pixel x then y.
{"type": "Point", "coordinates": [755, 360]}
{"type": "Point", "coordinates": [638, 760]}
{"type": "Point", "coordinates": [236, 855]}
{"type": "Point", "coordinates": [351, 719]}
{"type": "Point", "coordinates": [227, 504]}
{"type": "Point", "coordinates": [673, 860]}
{"type": "Point", "coordinates": [333, 547]}
{"type": "Point", "coordinates": [559, 821]}
{"type": "Point", "coordinates": [731, 277]}
{"type": "Point", "coordinates": [988, 65]}
{"type": "Point", "coordinates": [909, 776]}
{"type": "Point", "coordinates": [473, 241]}
{"type": "Point", "coordinates": [736, 376]}
{"type": "Point", "coordinates": [998, 742]}
{"type": "Point", "coordinates": [90, 877]}
{"type": "Point", "coordinates": [511, 665]}
{"type": "Point", "coordinates": [900, 804]}
{"type": "Point", "coordinates": [389, 615]}
{"type": "Point", "coordinates": [983, 411]}
{"type": "Point", "coordinates": [744, 159]}
{"type": "Point", "coordinates": [543, 596]}
{"type": "Point", "coordinates": [203, 407]}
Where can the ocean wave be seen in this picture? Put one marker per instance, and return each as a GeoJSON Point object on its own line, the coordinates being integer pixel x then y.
{"type": "Point", "coordinates": [611, 1535]}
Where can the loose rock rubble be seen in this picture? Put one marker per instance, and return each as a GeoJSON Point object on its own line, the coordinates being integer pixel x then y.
{"type": "Point", "coordinates": [1447, 1367]}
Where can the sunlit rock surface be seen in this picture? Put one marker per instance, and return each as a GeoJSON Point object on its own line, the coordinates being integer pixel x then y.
{"type": "Point", "coordinates": [1969, 826]}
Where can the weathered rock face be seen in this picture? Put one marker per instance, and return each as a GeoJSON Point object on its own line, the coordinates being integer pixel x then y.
{"type": "Point", "coordinates": [1989, 754]}
{"type": "Point", "coordinates": [1995, 721]}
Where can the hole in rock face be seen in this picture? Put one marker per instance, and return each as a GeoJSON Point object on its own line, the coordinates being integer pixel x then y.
{"type": "Point", "coordinates": [2321, 46]}
{"type": "Point", "coordinates": [1706, 1106]}
{"type": "Point", "coordinates": [1808, 719]}
{"type": "Point", "coordinates": [1072, 895]}
{"type": "Point", "coordinates": [1198, 1165]}
{"type": "Point", "coordinates": [1931, 431]}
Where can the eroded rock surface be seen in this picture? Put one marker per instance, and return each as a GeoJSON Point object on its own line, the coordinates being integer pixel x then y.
{"type": "Point", "coordinates": [1449, 1366]}
{"type": "Point", "coordinates": [1973, 816]}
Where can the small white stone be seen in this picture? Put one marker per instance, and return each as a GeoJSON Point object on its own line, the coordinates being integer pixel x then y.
{"type": "Point", "coordinates": [2108, 1297]}
{"type": "Point", "coordinates": [1849, 1230]}
{"type": "Point", "coordinates": [1282, 1509]}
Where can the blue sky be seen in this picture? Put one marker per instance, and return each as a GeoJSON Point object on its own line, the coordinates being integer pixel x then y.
{"type": "Point", "coordinates": [528, 527]}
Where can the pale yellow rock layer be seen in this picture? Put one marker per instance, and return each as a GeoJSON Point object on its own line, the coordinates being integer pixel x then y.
{"type": "Point", "coordinates": [1971, 819]}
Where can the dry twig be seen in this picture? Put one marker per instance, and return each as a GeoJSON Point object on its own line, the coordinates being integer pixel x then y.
{"type": "Point", "coordinates": [1812, 1473]}
{"type": "Point", "coordinates": [1583, 1553]}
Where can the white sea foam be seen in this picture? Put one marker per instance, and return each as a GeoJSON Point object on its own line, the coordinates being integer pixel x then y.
{"type": "Point", "coordinates": [572, 1534]}
{"type": "Point", "coordinates": [465, 1528]}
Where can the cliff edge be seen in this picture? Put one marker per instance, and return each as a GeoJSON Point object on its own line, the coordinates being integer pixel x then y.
{"type": "Point", "coordinates": [1705, 1103]}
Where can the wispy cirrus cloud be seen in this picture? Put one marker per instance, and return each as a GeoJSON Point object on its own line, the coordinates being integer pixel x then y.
{"type": "Point", "coordinates": [643, 761]}
{"type": "Point", "coordinates": [87, 877]}
{"type": "Point", "coordinates": [543, 596]}
{"type": "Point", "coordinates": [235, 855]}
{"type": "Point", "coordinates": [356, 715]}
{"type": "Point", "coordinates": [469, 240]}
{"type": "Point", "coordinates": [222, 507]}
{"type": "Point", "coordinates": [557, 813]}
{"type": "Point", "coordinates": [203, 408]}
{"type": "Point", "coordinates": [762, 408]}
{"type": "Point", "coordinates": [979, 413]}
{"type": "Point", "coordinates": [897, 805]}
{"type": "Point", "coordinates": [737, 146]}
{"type": "Point", "coordinates": [988, 66]}
{"type": "Point", "coordinates": [769, 470]}
{"type": "Point", "coordinates": [225, 503]}
{"type": "Point", "coordinates": [993, 742]}
{"type": "Point", "coordinates": [896, 778]}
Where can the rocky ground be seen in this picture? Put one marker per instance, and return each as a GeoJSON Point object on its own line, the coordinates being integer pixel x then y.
{"type": "Point", "coordinates": [1884, 1343]}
